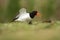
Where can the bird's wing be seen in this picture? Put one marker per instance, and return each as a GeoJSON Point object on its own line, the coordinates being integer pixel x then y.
{"type": "Point", "coordinates": [21, 11]}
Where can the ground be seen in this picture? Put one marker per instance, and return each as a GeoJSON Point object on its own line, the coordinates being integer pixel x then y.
{"type": "Point", "coordinates": [35, 31]}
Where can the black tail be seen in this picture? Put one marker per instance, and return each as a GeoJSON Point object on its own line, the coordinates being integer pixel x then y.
{"type": "Point", "coordinates": [14, 19]}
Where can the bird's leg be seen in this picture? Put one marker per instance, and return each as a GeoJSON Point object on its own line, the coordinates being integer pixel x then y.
{"type": "Point", "coordinates": [30, 22]}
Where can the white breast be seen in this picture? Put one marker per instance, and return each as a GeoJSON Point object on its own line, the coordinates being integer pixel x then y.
{"type": "Point", "coordinates": [24, 17]}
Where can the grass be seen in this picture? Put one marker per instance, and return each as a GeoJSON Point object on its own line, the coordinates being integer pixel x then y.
{"type": "Point", "coordinates": [24, 31]}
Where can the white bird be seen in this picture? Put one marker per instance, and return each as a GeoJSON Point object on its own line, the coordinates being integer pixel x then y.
{"type": "Point", "coordinates": [24, 16]}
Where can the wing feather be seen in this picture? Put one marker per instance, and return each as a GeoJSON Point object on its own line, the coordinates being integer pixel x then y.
{"type": "Point", "coordinates": [21, 11]}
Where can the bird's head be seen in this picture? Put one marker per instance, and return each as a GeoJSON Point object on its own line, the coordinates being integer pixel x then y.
{"type": "Point", "coordinates": [34, 13]}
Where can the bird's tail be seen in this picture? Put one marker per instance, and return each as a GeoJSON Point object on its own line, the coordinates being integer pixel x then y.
{"type": "Point", "coordinates": [13, 19]}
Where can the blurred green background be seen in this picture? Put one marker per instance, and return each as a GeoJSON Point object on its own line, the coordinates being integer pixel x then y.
{"type": "Point", "coordinates": [48, 8]}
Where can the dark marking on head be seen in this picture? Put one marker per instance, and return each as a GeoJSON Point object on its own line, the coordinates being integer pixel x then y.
{"type": "Point", "coordinates": [33, 14]}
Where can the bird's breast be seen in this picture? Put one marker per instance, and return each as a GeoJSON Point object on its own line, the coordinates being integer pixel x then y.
{"type": "Point", "coordinates": [24, 17]}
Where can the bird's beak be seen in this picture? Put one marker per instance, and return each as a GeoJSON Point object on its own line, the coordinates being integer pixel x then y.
{"type": "Point", "coordinates": [38, 14]}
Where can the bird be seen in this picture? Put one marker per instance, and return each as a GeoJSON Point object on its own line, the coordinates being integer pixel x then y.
{"type": "Point", "coordinates": [25, 16]}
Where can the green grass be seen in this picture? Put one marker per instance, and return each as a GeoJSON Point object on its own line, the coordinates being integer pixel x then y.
{"type": "Point", "coordinates": [24, 31]}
